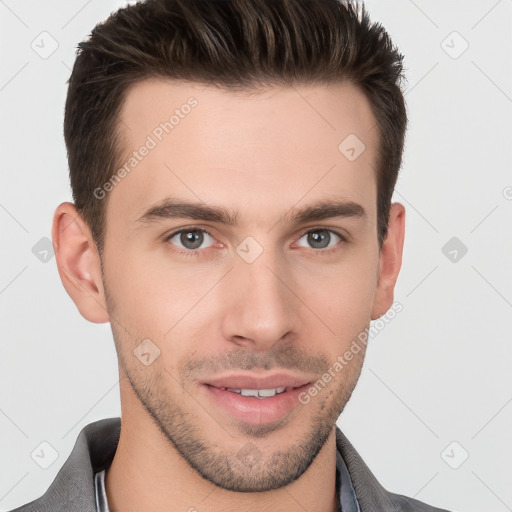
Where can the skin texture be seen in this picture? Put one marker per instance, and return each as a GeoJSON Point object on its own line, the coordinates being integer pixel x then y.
{"type": "Point", "coordinates": [294, 308]}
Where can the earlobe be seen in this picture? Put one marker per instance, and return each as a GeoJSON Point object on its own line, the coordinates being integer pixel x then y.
{"type": "Point", "coordinates": [390, 261]}
{"type": "Point", "coordinates": [78, 263]}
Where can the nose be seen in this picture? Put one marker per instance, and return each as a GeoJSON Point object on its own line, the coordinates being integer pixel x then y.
{"type": "Point", "coordinates": [260, 308]}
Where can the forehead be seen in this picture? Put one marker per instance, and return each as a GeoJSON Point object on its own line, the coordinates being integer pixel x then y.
{"type": "Point", "coordinates": [260, 152]}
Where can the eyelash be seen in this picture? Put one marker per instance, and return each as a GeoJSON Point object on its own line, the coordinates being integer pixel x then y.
{"type": "Point", "coordinates": [197, 252]}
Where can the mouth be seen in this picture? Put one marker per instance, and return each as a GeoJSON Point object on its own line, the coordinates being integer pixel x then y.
{"type": "Point", "coordinates": [258, 393]}
{"type": "Point", "coordinates": [253, 400]}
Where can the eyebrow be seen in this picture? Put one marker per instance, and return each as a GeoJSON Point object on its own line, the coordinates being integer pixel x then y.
{"type": "Point", "coordinates": [171, 208]}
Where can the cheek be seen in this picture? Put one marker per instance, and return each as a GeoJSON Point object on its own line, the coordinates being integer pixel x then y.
{"type": "Point", "coordinates": [342, 293]}
{"type": "Point", "coordinates": [162, 299]}
{"type": "Point", "coordinates": [141, 296]}
{"type": "Point", "coordinates": [155, 299]}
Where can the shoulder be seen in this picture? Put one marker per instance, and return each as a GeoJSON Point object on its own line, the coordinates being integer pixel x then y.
{"type": "Point", "coordinates": [72, 490]}
{"type": "Point", "coordinates": [371, 495]}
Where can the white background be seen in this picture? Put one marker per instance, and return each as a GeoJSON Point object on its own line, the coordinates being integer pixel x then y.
{"type": "Point", "coordinates": [438, 373]}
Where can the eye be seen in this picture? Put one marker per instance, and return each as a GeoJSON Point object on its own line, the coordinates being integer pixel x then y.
{"type": "Point", "coordinates": [321, 238]}
{"type": "Point", "coordinates": [190, 239]}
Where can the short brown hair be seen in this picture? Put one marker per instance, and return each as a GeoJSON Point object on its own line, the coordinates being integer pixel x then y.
{"type": "Point", "coordinates": [232, 44]}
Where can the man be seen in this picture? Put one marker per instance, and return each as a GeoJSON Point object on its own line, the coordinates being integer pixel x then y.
{"type": "Point", "coordinates": [232, 165]}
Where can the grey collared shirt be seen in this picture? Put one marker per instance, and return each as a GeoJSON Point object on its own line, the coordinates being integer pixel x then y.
{"type": "Point", "coordinates": [344, 489]}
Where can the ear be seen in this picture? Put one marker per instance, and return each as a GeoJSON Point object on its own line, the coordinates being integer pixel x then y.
{"type": "Point", "coordinates": [390, 261]}
{"type": "Point", "coordinates": [78, 263]}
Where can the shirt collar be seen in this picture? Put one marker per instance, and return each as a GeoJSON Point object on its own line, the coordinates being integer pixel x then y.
{"type": "Point", "coordinates": [347, 499]}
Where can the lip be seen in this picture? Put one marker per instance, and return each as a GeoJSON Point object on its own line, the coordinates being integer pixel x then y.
{"type": "Point", "coordinates": [252, 381]}
{"type": "Point", "coordinates": [252, 410]}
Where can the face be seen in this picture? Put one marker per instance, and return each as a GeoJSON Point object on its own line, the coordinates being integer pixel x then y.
{"type": "Point", "coordinates": [241, 245]}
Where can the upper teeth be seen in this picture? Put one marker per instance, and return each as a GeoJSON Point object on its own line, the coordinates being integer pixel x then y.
{"type": "Point", "coordinates": [258, 393]}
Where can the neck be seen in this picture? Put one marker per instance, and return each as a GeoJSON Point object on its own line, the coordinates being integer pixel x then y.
{"type": "Point", "coordinates": [148, 473]}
